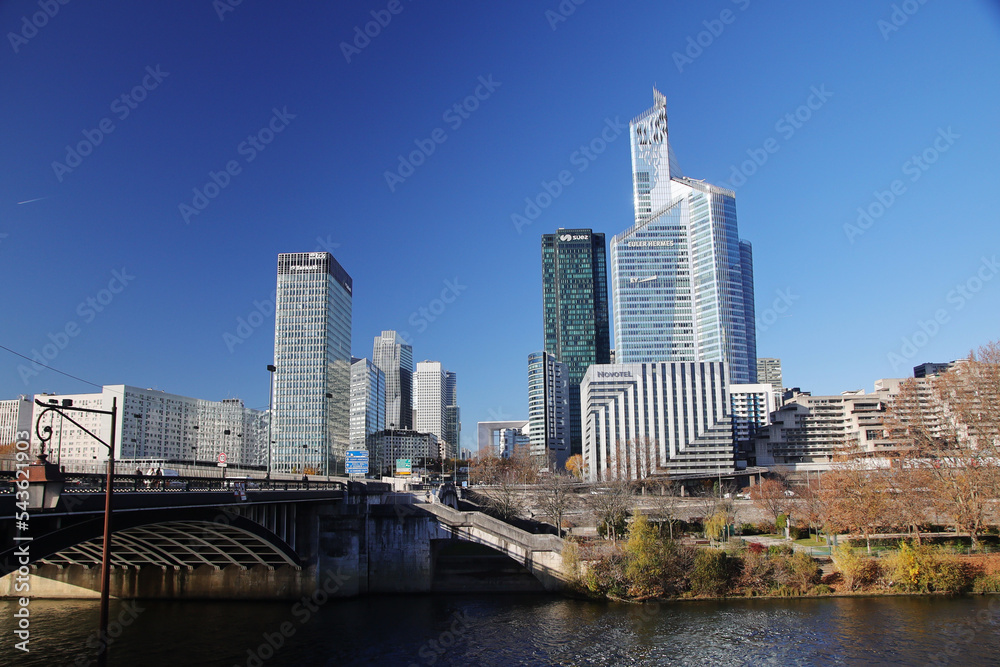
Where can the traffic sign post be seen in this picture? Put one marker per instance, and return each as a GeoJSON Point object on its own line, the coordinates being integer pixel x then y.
{"type": "Point", "coordinates": [222, 462]}
{"type": "Point", "coordinates": [357, 462]}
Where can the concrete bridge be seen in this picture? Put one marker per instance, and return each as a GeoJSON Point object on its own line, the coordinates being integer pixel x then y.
{"type": "Point", "coordinates": [197, 538]}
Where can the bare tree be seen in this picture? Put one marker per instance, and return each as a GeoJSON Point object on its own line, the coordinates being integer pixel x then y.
{"type": "Point", "coordinates": [556, 498]}
{"type": "Point", "coordinates": [949, 428]}
{"type": "Point", "coordinates": [769, 496]}
{"type": "Point", "coordinates": [666, 504]}
{"type": "Point", "coordinates": [612, 505]}
{"type": "Point", "coordinates": [505, 498]}
{"type": "Point", "coordinates": [857, 496]}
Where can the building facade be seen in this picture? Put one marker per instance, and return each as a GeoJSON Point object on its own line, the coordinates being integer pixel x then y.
{"type": "Point", "coordinates": [575, 308]}
{"type": "Point", "coordinates": [681, 278]}
{"type": "Point", "coordinates": [15, 415]}
{"type": "Point", "coordinates": [312, 353]}
{"type": "Point", "coordinates": [452, 413]}
{"type": "Point", "coordinates": [652, 419]}
{"type": "Point", "coordinates": [394, 444]}
{"type": "Point", "coordinates": [430, 400]}
{"type": "Point", "coordinates": [750, 406]}
{"type": "Point", "coordinates": [548, 409]}
{"type": "Point", "coordinates": [769, 372]}
{"type": "Point", "coordinates": [367, 402]}
{"type": "Point", "coordinates": [155, 428]}
{"type": "Point", "coordinates": [395, 357]}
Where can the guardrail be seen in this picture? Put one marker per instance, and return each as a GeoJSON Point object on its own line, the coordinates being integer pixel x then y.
{"type": "Point", "coordinates": [93, 483]}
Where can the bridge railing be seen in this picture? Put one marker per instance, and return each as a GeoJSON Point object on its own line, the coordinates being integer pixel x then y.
{"type": "Point", "coordinates": [92, 483]}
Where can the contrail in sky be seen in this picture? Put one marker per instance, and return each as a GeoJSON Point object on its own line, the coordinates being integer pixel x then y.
{"type": "Point", "coordinates": [28, 201]}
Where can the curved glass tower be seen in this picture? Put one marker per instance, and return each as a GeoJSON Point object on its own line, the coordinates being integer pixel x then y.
{"type": "Point", "coordinates": [682, 281]}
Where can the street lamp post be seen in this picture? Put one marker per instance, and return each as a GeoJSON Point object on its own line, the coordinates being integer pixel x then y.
{"type": "Point", "coordinates": [271, 368]}
{"type": "Point", "coordinates": [67, 404]}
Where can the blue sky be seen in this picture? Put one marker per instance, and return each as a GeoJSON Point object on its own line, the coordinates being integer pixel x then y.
{"type": "Point", "coordinates": [841, 306]}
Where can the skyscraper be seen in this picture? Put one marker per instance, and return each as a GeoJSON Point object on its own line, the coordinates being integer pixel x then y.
{"type": "Point", "coordinates": [452, 413]}
{"type": "Point", "coordinates": [769, 372]}
{"type": "Point", "coordinates": [681, 279]}
{"type": "Point", "coordinates": [548, 408]}
{"type": "Point", "coordinates": [395, 358]}
{"type": "Point", "coordinates": [575, 308]}
{"type": "Point", "coordinates": [367, 402]}
{"type": "Point", "coordinates": [312, 353]}
{"type": "Point", "coordinates": [429, 398]}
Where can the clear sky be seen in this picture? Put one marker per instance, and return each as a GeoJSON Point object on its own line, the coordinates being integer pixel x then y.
{"type": "Point", "coordinates": [309, 127]}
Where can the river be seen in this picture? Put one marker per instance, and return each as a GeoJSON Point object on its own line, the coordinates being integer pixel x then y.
{"type": "Point", "coordinates": [527, 629]}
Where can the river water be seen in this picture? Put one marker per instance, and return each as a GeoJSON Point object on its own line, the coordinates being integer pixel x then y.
{"type": "Point", "coordinates": [516, 630]}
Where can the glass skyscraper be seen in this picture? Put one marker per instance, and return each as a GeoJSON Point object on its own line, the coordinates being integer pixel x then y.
{"type": "Point", "coordinates": [312, 353]}
{"type": "Point", "coordinates": [681, 278]}
{"type": "Point", "coordinates": [395, 358]}
{"type": "Point", "coordinates": [548, 409]}
{"type": "Point", "coordinates": [575, 309]}
{"type": "Point", "coordinates": [367, 402]}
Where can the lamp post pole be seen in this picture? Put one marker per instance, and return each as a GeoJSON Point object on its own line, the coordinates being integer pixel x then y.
{"type": "Point", "coordinates": [102, 656]}
{"type": "Point", "coordinates": [270, 416]}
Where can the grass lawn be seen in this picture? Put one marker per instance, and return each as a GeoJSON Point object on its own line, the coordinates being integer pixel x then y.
{"type": "Point", "coordinates": [811, 542]}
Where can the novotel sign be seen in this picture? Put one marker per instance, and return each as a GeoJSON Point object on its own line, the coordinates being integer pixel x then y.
{"type": "Point", "coordinates": [613, 374]}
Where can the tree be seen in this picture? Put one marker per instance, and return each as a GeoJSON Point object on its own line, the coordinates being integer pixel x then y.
{"type": "Point", "coordinates": [812, 505]}
{"type": "Point", "coordinates": [555, 498]}
{"type": "Point", "coordinates": [503, 499]}
{"type": "Point", "coordinates": [612, 507]}
{"type": "Point", "coordinates": [858, 496]}
{"type": "Point", "coordinates": [575, 466]}
{"type": "Point", "coordinates": [948, 428]}
{"type": "Point", "coordinates": [769, 496]}
{"type": "Point", "coordinates": [643, 559]}
{"type": "Point", "coordinates": [665, 505]}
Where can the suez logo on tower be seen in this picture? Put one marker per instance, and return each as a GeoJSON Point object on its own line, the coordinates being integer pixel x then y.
{"type": "Point", "coordinates": [574, 237]}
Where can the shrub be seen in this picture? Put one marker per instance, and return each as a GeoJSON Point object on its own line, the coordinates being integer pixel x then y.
{"type": "Point", "coordinates": [925, 569]}
{"type": "Point", "coordinates": [779, 550]}
{"type": "Point", "coordinates": [820, 589]}
{"type": "Point", "coordinates": [711, 573]}
{"type": "Point", "coordinates": [986, 583]}
{"type": "Point", "coordinates": [797, 533]}
{"type": "Point", "coordinates": [643, 561]}
{"type": "Point", "coordinates": [803, 571]}
{"type": "Point", "coordinates": [858, 572]}
{"type": "Point", "coordinates": [606, 576]}
{"type": "Point", "coordinates": [787, 591]}
{"type": "Point", "coordinates": [782, 521]}
{"type": "Point", "coordinates": [756, 548]}
{"type": "Point", "coordinates": [757, 573]}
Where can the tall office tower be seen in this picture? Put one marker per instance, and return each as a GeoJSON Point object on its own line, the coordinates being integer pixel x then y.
{"type": "Point", "coordinates": [681, 279]}
{"type": "Point", "coordinates": [395, 358]}
{"type": "Point", "coordinates": [452, 413]}
{"type": "Point", "coordinates": [548, 409]}
{"type": "Point", "coordinates": [769, 372]}
{"type": "Point", "coordinates": [367, 402]}
{"type": "Point", "coordinates": [312, 352]}
{"type": "Point", "coordinates": [575, 309]}
{"type": "Point", "coordinates": [429, 399]}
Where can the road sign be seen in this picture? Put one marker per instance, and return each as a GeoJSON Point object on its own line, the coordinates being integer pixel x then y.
{"type": "Point", "coordinates": [357, 467]}
{"type": "Point", "coordinates": [404, 466]}
{"type": "Point", "coordinates": [356, 454]}
{"type": "Point", "coordinates": [222, 460]}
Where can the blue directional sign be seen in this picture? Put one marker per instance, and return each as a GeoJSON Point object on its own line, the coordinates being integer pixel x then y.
{"type": "Point", "coordinates": [356, 455]}
{"type": "Point", "coordinates": [357, 468]}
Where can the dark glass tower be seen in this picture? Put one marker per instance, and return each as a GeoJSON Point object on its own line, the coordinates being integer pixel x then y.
{"type": "Point", "coordinates": [575, 309]}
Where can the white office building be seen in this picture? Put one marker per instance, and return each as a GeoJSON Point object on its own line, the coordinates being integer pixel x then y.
{"type": "Point", "coordinates": [367, 402]}
{"type": "Point", "coordinates": [15, 415]}
{"type": "Point", "coordinates": [154, 426]}
{"type": "Point", "coordinates": [430, 402]}
{"type": "Point", "coordinates": [645, 420]}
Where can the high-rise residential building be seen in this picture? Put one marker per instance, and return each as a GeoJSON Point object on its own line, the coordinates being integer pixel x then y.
{"type": "Point", "coordinates": [930, 368]}
{"type": "Point", "coordinates": [430, 400]}
{"type": "Point", "coordinates": [681, 279]}
{"type": "Point", "coordinates": [154, 428]}
{"type": "Point", "coordinates": [452, 412]}
{"type": "Point", "coordinates": [769, 372]}
{"type": "Point", "coordinates": [654, 419]}
{"type": "Point", "coordinates": [312, 353]}
{"type": "Point", "coordinates": [15, 415]}
{"type": "Point", "coordinates": [367, 402]}
{"type": "Point", "coordinates": [750, 406]}
{"type": "Point", "coordinates": [395, 357]}
{"type": "Point", "coordinates": [575, 308]}
{"type": "Point", "coordinates": [548, 409]}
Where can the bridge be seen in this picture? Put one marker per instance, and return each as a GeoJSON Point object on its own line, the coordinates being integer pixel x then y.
{"type": "Point", "coordinates": [201, 538]}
